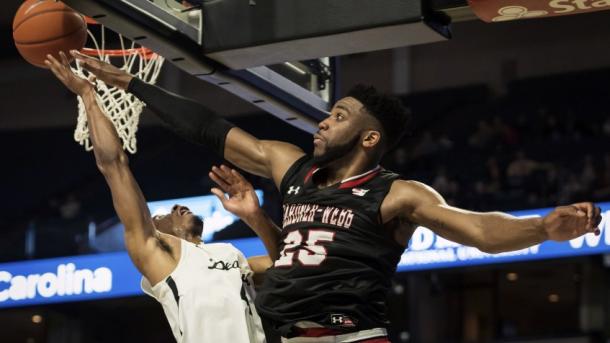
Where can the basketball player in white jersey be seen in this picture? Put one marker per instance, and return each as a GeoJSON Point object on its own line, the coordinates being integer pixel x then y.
{"type": "Point", "coordinates": [205, 289]}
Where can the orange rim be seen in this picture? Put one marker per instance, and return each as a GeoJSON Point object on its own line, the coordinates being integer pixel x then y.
{"type": "Point", "coordinates": [90, 21]}
{"type": "Point", "coordinates": [143, 52]}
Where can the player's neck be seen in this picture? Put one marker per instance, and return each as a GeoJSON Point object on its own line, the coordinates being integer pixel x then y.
{"type": "Point", "coordinates": [345, 168]}
{"type": "Point", "coordinates": [190, 238]}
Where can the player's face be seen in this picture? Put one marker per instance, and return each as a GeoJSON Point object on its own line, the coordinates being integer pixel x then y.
{"type": "Point", "coordinates": [179, 222]}
{"type": "Point", "coordinates": [338, 134]}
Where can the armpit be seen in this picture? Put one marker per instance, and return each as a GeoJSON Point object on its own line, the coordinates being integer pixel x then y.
{"type": "Point", "coordinates": [163, 244]}
{"type": "Point", "coordinates": [401, 230]}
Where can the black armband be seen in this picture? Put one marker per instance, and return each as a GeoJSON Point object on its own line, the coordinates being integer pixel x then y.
{"type": "Point", "coordinates": [189, 119]}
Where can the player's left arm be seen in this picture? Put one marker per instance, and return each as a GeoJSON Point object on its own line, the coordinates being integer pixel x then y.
{"type": "Point", "coordinates": [141, 239]}
{"type": "Point", "coordinates": [491, 232]}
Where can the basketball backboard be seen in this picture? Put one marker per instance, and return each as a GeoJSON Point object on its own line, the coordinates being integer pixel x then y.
{"type": "Point", "coordinates": [270, 53]}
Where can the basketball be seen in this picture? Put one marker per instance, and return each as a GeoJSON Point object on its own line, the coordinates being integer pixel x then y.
{"type": "Point", "coordinates": [47, 27]}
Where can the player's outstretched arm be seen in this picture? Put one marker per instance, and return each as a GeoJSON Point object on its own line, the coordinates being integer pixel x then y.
{"type": "Point", "coordinates": [141, 237]}
{"type": "Point", "coordinates": [241, 200]}
{"type": "Point", "coordinates": [196, 123]}
{"type": "Point", "coordinates": [492, 232]}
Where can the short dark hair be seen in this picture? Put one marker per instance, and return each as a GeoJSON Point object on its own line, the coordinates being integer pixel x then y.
{"type": "Point", "coordinates": [388, 109]}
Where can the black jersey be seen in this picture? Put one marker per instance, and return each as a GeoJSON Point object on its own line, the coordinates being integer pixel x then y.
{"type": "Point", "coordinates": [337, 259]}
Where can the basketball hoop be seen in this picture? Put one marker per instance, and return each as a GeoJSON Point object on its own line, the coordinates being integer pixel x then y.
{"type": "Point", "coordinates": [121, 107]}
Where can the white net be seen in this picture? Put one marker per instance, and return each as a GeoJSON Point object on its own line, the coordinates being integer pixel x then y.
{"type": "Point", "coordinates": [121, 107]}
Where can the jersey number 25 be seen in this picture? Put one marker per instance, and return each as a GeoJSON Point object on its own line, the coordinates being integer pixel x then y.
{"type": "Point", "coordinates": [309, 253]}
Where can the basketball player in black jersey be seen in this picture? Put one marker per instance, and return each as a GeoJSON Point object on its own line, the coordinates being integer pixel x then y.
{"type": "Point", "coordinates": [346, 219]}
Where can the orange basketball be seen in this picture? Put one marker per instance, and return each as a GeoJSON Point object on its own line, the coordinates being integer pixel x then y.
{"type": "Point", "coordinates": [44, 27]}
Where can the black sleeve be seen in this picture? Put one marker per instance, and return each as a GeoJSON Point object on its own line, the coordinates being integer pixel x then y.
{"type": "Point", "coordinates": [189, 119]}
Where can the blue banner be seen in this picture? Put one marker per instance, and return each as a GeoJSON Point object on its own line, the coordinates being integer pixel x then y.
{"type": "Point", "coordinates": [112, 275]}
{"type": "Point", "coordinates": [429, 251]}
{"type": "Point", "coordinates": [63, 279]}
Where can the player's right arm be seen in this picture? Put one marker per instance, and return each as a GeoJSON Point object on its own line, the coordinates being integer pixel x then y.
{"type": "Point", "coordinates": [198, 124]}
{"type": "Point", "coordinates": [242, 201]}
{"type": "Point", "coordinates": [144, 244]}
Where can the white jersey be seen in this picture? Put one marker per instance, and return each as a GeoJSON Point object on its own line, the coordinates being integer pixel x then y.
{"type": "Point", "coordinates": [209, 297]}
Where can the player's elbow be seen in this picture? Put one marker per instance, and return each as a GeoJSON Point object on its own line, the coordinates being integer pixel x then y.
{"type": "Point", "coordinates": [483, 239]}
{"type": "Point", "coordinates": [107, 165]}
{"type": "Point", "coordinates": [490, 245]}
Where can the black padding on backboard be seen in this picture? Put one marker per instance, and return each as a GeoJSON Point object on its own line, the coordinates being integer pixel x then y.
{"type": "Point", "coordinates": [233, 24]}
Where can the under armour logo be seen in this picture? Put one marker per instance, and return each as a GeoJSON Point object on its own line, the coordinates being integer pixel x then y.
{"type": "Point", "coordinates": [517, 12]}
{"type": "Point", "coordinates": [360, 191]}
{"type": "Point", "coordinates": [293, 190]}
{"type": "Point", "coordinates": [342, 320]}
{"type": "Point", "coordinates": [336, 319]}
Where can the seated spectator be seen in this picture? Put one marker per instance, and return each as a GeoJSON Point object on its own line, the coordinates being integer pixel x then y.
{"type": "Point", "coordinates": [483, 136]}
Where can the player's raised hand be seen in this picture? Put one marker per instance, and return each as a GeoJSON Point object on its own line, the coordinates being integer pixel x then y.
{"type": "Point", "coordinates": [569, 222]}
{"type": "Point", "coordinates": [105, 72]}
{"type": "Point", "coordinates": [240, 199]}
{"type": "Point", "coordinates": [61, 70]}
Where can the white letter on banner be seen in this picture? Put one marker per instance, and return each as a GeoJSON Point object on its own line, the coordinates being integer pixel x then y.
{"type": "Point", "coordinates": [47, 285]}
{"type": "Point", "coordinates": [18, 287]}
{"type": "Point", "coordinates": [103, 280]}
{"type": "Point", "coordinates": [6, 278]}
{"type": "Point", "coordinates": [604, 226]}
{"type": "Point", "coordinates": [442, 243]}
{"type": "Point", "coordinates": [83, 278]}
{"type": "Point", "coordinates": [69, 283]}
{"type": "Point", "coordinates": [591, 239]}
{"type": "Point", "coordinates": [61, 279]}
{"type": "Point", "coordinates": [602, 3]}
{"type": "Point", "coordinates": [581, 4]}
{"type": "Point", "coordinates": [32, 284]}
{"type": "Point", "coordinates": [561, 4]}
{"type": "Point", "coordinates": [422, 239]}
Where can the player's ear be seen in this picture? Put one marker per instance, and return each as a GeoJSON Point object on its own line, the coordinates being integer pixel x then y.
{"type": "Point", "coordinates": [372, 138]}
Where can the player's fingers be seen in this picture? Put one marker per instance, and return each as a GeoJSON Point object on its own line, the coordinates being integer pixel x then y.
{"type": "Point", "coordinates": [219, 194]}
{"type": "Point", "coordinates": [590, 209]}
{"type": "Point", "coordinates": [57, 67]}
{"type": "Point", "coordinates": [64, 59]}
{"type": "Point", "coordinates": [54, 70]}
{"type": "Point", "coordinates": [87, 62]}
{"type": "Point", "coordinates": [597, 218]}
{"type": "Point", "coordinates": [222, 173]}
{"type": "Point", "coordinates": [219, 180]}
{"type": "Point", "coordinates": [227, 175]}
{"type": "Point", "coordinates": [92, 79]}
{"type": "Point", "coordinates": [570, 211]}
{"type": "Point", "coordinates": [237, 175]}
{"type": "Point", "coordinates": [586, 207]}
{"type": "Point", "coordinates": [78, 55]}
{"type": "Point", "coordinates": [53, 60]}
{"type": "Point", "coordinates": [83, 58]}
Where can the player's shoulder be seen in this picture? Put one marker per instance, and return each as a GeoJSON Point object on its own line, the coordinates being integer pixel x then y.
{"type": "Point", "coordinates": [402, 185]}
{"type": "Point", "coordinates": [406, 193]}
